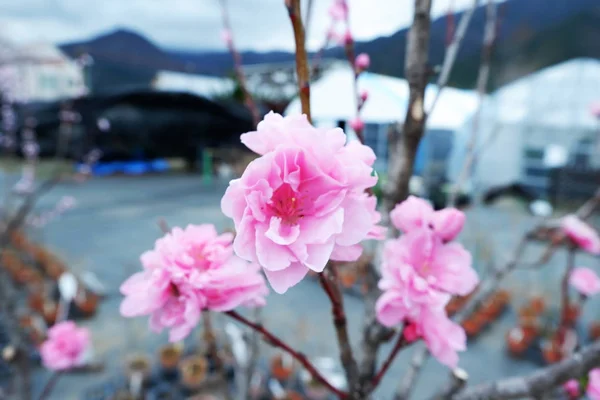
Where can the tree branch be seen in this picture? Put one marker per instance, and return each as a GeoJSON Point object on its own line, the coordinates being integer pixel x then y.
{"type": "Point", "coordinates": [237, 66]}
{"type": "Point", "coordinates": [341, 329]}
{"type": "Point", "coordinates": [400, 344]}
{"type": "Point", "coordinates": [539, 382]}
{"type": "Point", "coordinates": [300, 357]}
{"type": "Point", "coordinates": [482, 81]}
{"type": "Point", "coordinates": [295, 15]}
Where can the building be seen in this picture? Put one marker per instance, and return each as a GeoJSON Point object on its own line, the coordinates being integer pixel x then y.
{"type": "Point", "coordinates": [333, 103]}
{"type": "Point", "coordinates": [39, 73]}
{"type": "Point", "coordinates": [539, 122]}
{"type": "Point", "coordinates": [201, 85]}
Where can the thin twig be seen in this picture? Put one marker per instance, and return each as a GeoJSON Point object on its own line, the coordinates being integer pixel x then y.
{"type": "Point", "coordinates": [302, 69]}
{"type": "Point", "coordinates": [400, 344]}
{"type": "Point", "coordinates": [482, 82]}
{"type": "Point", "coordinates": [238, 68]}
{"type": "Point", "coordinates": [50, 385]}
{"type": "Point", "coordinates": [339, 321]}
{"type": "Point", "coordinates": [564, 289]}
{"type": "Point", "coordinates": [452, 52]}
{"type": "Point", "coordinates": [300, 357]}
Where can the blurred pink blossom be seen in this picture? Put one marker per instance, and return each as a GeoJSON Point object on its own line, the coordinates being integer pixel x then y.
{"type": "Point", "coordinates": [585, 281]}
{"type": "Point", "coordinates": [190, 270]}
{"type": "Point", "coordinates": [581, 234]}
{"type": "Point", "coordinates": [303, 201]}
{"type": "Point", "coordinates": [227, 37]}
{"type": "Point", "coordinates": [364, 95]}
{"type": "Point", "coordinates": [67, 346]}
{"type": "Point", "coordinates": [338, 11]}
{"type": "Point", "coordinates": [415, 213]}
{"type": "Point", "coordinates": [362, 62]}
{"type": "Point", "coordinates": [443, 337]}
{"type": "Point", "coordinates": [357, 124]}
{"type": "Point", "coordinates": [593, 387]}
{"type": "Point", "coordinates": [571, 387]}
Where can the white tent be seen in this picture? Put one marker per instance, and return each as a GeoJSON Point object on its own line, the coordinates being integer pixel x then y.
{"type": "Point", "coordinates": [333, 99]}
{"type": "Point", "coordinates": [532, 124]}
{"type": "Point", "coordinates": [202, 85]}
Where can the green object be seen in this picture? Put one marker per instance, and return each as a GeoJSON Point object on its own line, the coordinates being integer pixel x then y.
{"type": "Point", "coordinates": [207, 175]}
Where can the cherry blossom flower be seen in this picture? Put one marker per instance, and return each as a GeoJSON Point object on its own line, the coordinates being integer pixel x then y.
{"type": "Point", "coordinates": [593, 387]}
{"type": "Point", "coordinates": [339, 10]}
{"type": "Point", "coordinates": [571, 387]}
{"type": "Point", "coordinates": [67, 346]}
{"type": "Point", "coordinates": [581, 234]}
{"type": "Point", "coordinates": [362, 62]}
{"type": "Point", "coordinates": [364, 95]}
{"type": "Point", "coordinates": [190, 270]}
{"type": "Point", "coordinates": [303, 202]}
{"type": "Point", "coordinates": [585, 281]}
{"type": "Point", "coordinates": [414, 213]}
{"type": "Point", "coordinates": [357, 124]}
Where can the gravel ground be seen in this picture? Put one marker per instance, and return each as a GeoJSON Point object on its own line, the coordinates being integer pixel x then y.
{"type": "Point", "coordinates": [116, 219]}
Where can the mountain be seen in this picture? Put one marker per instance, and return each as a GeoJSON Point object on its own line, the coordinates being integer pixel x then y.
{"type": "Point", "coordinates": [532, 34]}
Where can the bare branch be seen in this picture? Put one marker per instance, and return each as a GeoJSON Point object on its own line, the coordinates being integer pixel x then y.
{"type": "Point", "coordinates": [482, 81]}
{"type": "Point", "coordinates": [300, 357]}
{"type": "Point", "coordinates": [452, 52]}
{"type": "Point", "coordinates": [237, 65]}
{"type": "Point", "coordinates": [303, 72]}
{"type": "Point", "coordinates": [540, 382]}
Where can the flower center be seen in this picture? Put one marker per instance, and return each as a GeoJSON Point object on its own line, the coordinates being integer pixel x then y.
{"type": "Point", "coordinates": [286, 204]}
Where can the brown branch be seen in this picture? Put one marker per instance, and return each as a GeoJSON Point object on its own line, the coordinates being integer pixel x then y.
{"type": "Point", "coordinates": [452, 52]}
{"type": "Point", "coordinates": [482, 82]}
{"type": "Point", "coordinates": [400, 344]}
{"type": "Point", "coordinates": [295, 15]}
{"type": "Point", "coordinates": [238, 68]}
{"type": "Point", "coordinates": [564, 289]}
{"type": "Point", "coordinates": [540, 381]}
{"type": "Point", "coordinates": [49, 385]}
{"type": "Point", "coordinates": [340, 324]}
{"type": "Point", "coordinates": [300, 357]}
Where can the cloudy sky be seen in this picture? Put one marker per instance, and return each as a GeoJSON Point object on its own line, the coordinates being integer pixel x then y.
{"type": "Point", "coordinates": [196, 24]}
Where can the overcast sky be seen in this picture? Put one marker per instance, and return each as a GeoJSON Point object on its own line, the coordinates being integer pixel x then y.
{"type": "Point", "coordinates": [196, 24]}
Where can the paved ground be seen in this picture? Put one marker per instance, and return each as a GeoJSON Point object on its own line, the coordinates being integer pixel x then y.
{"type": "Point", "coordinates": [116, 220]}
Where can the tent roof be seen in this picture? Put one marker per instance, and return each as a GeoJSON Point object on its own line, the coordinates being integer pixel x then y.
{"type": "Point", "coordinates": [332, 99]}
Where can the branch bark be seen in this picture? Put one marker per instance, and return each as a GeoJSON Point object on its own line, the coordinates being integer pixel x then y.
{"type": "Point", "coordinates": [300, 357]}
{"type": "Point", "coordinates": [238, 69]}
{"type": "Point", "coordinates": [482, 82]}
{"type": "Point", "coordinates": [539, 382]}
{"type": "Point", "coordinates": [339, 321]}
{"type": "Point", "coordinates": [302, 69]}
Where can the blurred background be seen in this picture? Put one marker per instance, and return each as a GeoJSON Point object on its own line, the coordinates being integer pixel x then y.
{"type": "Point", "coordinates": [150, 88]}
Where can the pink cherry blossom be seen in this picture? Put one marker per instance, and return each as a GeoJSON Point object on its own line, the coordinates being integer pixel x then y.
{"type": "Point", "coordinates": [67, 346]}
{"type": "Point", "coordinates": [593, 387]}
{"type": "Point", "coordinates": [357, 124]}
{"type": "Point", "coordinates": [339, 10]}
{"type": "Point", "coordinates": [347, 38]}
{"type": "Point", "coordinates": [571, 387]}
{"type": "Point", "coordinates": [362, 62]}
{"type": "Point", "coordinates": [415, 213]}
{"type": "Point", "coordinates": [581, 234]}
{"type": "Point", "coordinates": [303, 202]}
{"type": "Point", "coordinates": [443, 337]}
{"type": "Point", "coordinates": [585, 281]}
{"type": "Point", "coordinates": [190, 270]}
{"type": "Point", "coordinates": [364, 95]}
{"type": "Point", "coordinates": [595, 109]}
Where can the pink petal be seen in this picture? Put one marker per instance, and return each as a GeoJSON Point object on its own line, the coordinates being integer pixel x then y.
{"type": "Point", "coordinates": [448, 223]}
{"type": "Point", "coordinates": [452, 269]}
{"type": "Point", "coordinates": [270, 255]}
{"type": "Point", "coordinates": [284, 279]}
{"type": "Point", "coordinates": [390, 309]}
{"type": "Point", "coordinates": [318, 255]}
{"type": "Point", "coordinates": [412, 213]}
{"type": "Point", "coordinates": [282, 233]}
{"type": "Point", "coordinates": [346, 253]}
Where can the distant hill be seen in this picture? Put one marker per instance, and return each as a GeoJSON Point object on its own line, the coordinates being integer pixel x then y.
{"type": "Point", "coordinates": [532, 34]}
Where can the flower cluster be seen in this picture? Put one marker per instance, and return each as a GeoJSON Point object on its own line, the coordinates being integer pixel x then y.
{"type": "Point", "coordinates": [420, 271]}
{"type": "Point", "coordinates": [581, 234]}
{"type": "Point", "coordinates": [573, 387]}
{"type": "Point", "coordinates": [303, 202]}
{"type": "Point", "coordinates": [67, 347]}
{"type": "Point", "coordinates": [190, 270]}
